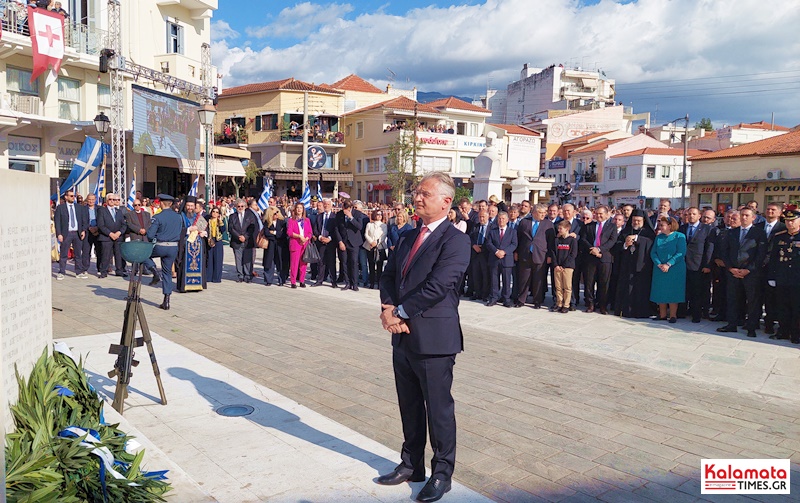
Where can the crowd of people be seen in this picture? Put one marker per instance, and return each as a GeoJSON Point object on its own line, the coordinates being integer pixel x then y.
{"type": "Point", "coordinates": [662, 264]}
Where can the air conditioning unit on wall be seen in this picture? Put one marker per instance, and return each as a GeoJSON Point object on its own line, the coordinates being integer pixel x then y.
{"type": "Point", "coordinates": [775, 174]}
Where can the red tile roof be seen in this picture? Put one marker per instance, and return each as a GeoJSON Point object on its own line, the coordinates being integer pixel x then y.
{"type": "Point", "coordinates": [596, 146]}
{"type": "Point", "coordinates": [585, 138]}
{"type": "Point", "coordinates": [760, 125]}
{"type": "Point", "coordinates": [658, 151]}
{"type": "Point", "coordinates": [355, 83]}
{"type": "Point", "coordinates": [788, 143]}
{"type": "Point", "coordinates": [290, 84]}
{"type": "Point", "coordinates": [514, 129]}
{"type": "Point", "coordinates": [399, 103]}
{"type": "Point", "coordinates": [457, 104]}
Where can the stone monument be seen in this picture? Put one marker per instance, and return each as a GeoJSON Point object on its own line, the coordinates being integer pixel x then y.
{"type": "Point", "coordinates": [520, 188]}
{"type": "Point", "coordinates": [487, 180]}
{"type": "Point", "coordinates": [26, 318]}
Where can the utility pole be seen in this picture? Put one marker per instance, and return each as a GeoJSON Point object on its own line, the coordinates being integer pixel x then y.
{"type": "Point", "coordinates": [305, 141]}
{"type": "Point", "coordinates": [685, 153]}
{"type": "Point", "coordinates": [414, 148]}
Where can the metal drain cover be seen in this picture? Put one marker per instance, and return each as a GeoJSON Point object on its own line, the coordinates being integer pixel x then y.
{"type": "Point", "coordinates": [235, 410]}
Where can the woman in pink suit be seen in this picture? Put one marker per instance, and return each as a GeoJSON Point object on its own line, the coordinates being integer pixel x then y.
{"type": "Point", "coordinates": [299, 232]}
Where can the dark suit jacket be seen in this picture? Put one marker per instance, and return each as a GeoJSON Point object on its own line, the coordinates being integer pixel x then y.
{"type": "Point", "coordinates": [132, 222]}
{"type": "Point", "coordinates": [778, 227]}
{"type": "Point", "coordinates": [699, 249]}
{"type": "Point", "coordinates": [429, 291]}
{"type": "Point", "coordinates": [248, 230]}
{"type": "Point", "coordinates": [107, 225]}
{"type": "Point", "coordinates": [750, 254]}
{"type": "Point", "coordinates": [542, 242]}
{"type": "Point", "coordinates": [508, 245]}
{"type": "Point", "coordinates": [351, 231]}
{"type": "Point", "coordinates": [330, 225]}
{"type": "Point", "coordinates": [607, 240]}
{"type": "Point", "coordinates": [61, 218]}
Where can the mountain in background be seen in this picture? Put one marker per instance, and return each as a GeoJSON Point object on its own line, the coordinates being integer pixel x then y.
{"type": "Point", "coordinates": [428, 97]}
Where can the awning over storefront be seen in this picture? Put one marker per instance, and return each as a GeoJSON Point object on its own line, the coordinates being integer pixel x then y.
{"type": "Point", "coordinates": [222, 166]}
{"type": "Point", "coordinates": [328, 175]}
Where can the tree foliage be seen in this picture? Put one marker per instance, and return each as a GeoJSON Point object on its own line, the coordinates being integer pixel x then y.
{"type": "Point", "coordinates": [705, 123]}
{"type": "Point", "coordinates": [400, 169]}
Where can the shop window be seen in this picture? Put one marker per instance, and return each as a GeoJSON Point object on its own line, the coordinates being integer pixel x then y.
{"type": "Point", "coordinates": [69, 99]}
{"type": "Point", "coordinates": [650, 172]}
{"type": "Point", "coordinates": [705, 200]}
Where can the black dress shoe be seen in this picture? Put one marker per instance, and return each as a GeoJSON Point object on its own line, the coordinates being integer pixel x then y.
{"type": "Point", "coordinates": [491, 303]}
{"type": "Point", "coordinates": [398, 476]}
{"type": "Point", "coordinates": [519, 304]}
{"type": "Point", "coordinates": [354, 288]}
{"type": "Point", "coordinates": [345, 287]}
{"type": "Point", "coordinates": [778, 337]}
{"type": "Point", "coordinates": [769, 329]}
{"type": "Point", "coordinates": [238, 280]}
{"type": "Point", "coordinates": [508, 303]}
{"type": "Point", "coordinates": [294, 286]}
{"type": "Point", "coordinates": [572, 307]}
{"type": "Point", "coordinates": [334, 285]}
{"type": "Point", "coordinates": [590, 308]}
{"type": "Point", "coordinates": [536, 305]}
{"type": "Point", "coordinates": [696, 320]}
{"type": "Point", "coordinates": [751, 333]}
{"type": "Point", "coordinates": [319, 283]}
{"type": "Point", "coordinates": [302, 285]}
{"type": "Point", "coordinates": [673, 320]}
{"type": "Point", "coordinates": [728, 328]}
{"type": "Point", "coordinates": [433, 490]}
{"type": "Point", "coordinates": [603, 311]}
{"type": "Point", "coordinates": [165, 304]}
{"type": "Point", "coordinates": [795, 340]}
{"type": "Point", "coordinates": [717, 318]}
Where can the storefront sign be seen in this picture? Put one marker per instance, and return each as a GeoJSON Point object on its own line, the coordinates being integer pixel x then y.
{"type": "Point", "coordinates": [473, 143]}
{"type": "Point", "coordinates": [68, 150]}
{"type": "Point", "coordinates": [21, 146]}
{"type": "Point", "coordinates": [383, 186]}
{"type": "Point", "coordinates": [782, 188]}
{"type": "Point", "coordinates": [559, 164]}
{"type": "Point", "coordinates": [739, 188]}
{"type": "Point", "coordinates": [430, 140]}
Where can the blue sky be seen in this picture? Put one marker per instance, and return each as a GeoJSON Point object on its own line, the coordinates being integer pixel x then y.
{"type": "Point", "coordinates": [670, 58]}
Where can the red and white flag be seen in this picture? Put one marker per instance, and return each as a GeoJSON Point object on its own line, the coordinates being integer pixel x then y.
{"type": "Point", "coordinates": [47, 36]}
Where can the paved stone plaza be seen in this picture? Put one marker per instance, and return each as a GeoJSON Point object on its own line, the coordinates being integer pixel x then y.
{"type": "Point", "coordinates": [550, 407]}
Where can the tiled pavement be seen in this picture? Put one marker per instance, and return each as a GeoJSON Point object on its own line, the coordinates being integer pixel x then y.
{"type": "Point", "coordinates": [550, 407]}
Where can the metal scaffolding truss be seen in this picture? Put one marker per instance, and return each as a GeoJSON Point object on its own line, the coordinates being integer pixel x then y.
{"type": "Point", "coordinates": [208, 80]}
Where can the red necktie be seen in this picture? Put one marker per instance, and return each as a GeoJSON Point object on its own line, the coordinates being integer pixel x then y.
{"type": "Point", "coordinates": [502, 232]}
{"type": "Point", "coordinates": [422, 231]}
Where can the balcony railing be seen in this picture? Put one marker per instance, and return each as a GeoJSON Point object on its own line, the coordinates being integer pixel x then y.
{"type": "Point", "coordinates": [334, 138]}
{"type": "Point", "coordinates": [78, 37]}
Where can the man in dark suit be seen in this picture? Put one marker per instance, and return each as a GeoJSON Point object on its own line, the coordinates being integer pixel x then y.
{"type": "Point", "coordinates": [111, 222]}
{"type": "Point", "coordinates": [699, 252]}
{"type": "Point", "coordinates": [535, 238]}
{"type": "Point", "coordinates": [500, 249]}
{"type": "Point", "coordinates": [324, 230]}
{"type": "Point", "coordinates": [575, 229]}
{"type": "Point", "coordinates": [92, 236]}
{"type": "Point", "coordinates": [137, 222]}
{"type": "Point", "coordinates": [419, 298]}
{"type": "Point", "coordinates": [243, 226]}
{"type": "Point", "coordinates": [349, 235]}
{"type": "Point", "coordinates": [479, 261]}
{"type": "Point", "coordinates": [744, 254]}
{"type": "Point", "coordinates": [598, 239]}
{"type": "Point", "coordinates": [772, 226]}
{"type": "Point", "coordinates": [719, 274]}
{"type": "Point", "coordinates": [72, 222]}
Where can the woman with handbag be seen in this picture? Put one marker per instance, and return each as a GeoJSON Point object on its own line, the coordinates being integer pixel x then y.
{"type": "Point", "coordinates": [375, 239]}
{"type": "Point", "coordinates": [271, 252]}
{"type": "Point", "coordinates": [216, 250]}
{"type": "Point", "coordinates": [299, 232]}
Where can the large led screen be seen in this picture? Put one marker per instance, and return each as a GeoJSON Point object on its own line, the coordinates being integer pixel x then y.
{"type": "Point", "coordinates": [164, 125]}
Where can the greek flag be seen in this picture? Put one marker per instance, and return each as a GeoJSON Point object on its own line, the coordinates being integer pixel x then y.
{"type": "Point", "coordinates": [100, 186]}
{"type": "Point", "coordinates": [89, 157]}
{"type": "Point", "coordinates": [306, 199]}
{"type": "Point", "coordinates": [193, 190]}
{"type": "Point", "coordinates": [132, 193]}
{"type": "Point", "coordinates": [263, 201]}
{"type": "Point", "coordinates": [319, 191]}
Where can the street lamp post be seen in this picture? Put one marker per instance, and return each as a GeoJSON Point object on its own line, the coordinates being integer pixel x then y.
{"type": "Point", "coordinates": [685, 155]}
{"type": "Point", "coordinates": [206, 113]}
{"type": "Point", "coordinates": [101, 124]}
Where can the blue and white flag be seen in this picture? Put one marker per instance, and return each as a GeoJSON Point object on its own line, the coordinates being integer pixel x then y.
{"type": "Point", "coordinates": [263, 201]}
{"type": "Point", "coordinates": [306, 199]}
{"type": "Point", "coordinates": [132, 193]}
{"type": "Point", "coordinates": [193, 190]}
{"type": "Point", "coordinates": [89, 157]}
{"type": "Point", "coordinates": [319, 191]}
{"type": "Point", "coordinates": [100, 186]}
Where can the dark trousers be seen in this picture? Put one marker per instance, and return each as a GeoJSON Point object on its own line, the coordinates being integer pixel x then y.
{"type": "Point", "coordinates": [770, 304]}
{"type": "Point", "coordinates": [744, 296]}
{"type": "Point", "coordinates": [423, 386]}
{"type": "Point", "coordinates": [243, 257]}
{"type": "Point", "coordinates": [268, 262]}
{"type": "Point", "coordinates": [215, 256]}
{"type": "Point", "coordinates": [341, 256]}
{"type": "Point", "coordinates": [697, 292]}
{"type": "Point", "coordinates": [498, 272]}
{"type": "Point", "coordinates": [788, 310]}
{"type": "Point", "coordinates": [719, 284]}
{"type": "Point", "coordinates": [86, 254]}
{"type": "Point", "coordinates": [576, 284]}
{"type": "Point", "coordinates": [600, 273]}
{"type": "Point", "coordinates": [612, 283]}
{"type": "Point", "coordinates": [327, 264]}
{"type": "Point", "coordinates": [482, 283]}
{"type": "Point", "coordinates": [71, 238]}
{"type": "Point", "coordinates": [107, 249]}
{"type": "Point", "coordinates": [532, 279]}
{"type": "Point", "coordinates": [375, 264]}
{"type": "Point", "coordinates": [168, 254]}
{"type": "Point", "coordinates": [351, 270]}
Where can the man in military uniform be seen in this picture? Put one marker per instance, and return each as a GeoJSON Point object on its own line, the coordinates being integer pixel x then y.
{"type": "Point", "coordinates": [783, 274]}
{"type": "Point", "coordinates": [165, 229]}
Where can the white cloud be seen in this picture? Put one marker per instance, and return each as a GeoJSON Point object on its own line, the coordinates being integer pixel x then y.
{"type": "Point", "coordinates": [220, 30]}
{"type": "Point", "coordinates": [302, 18]}
{"type": "Point", "coordinates": [455, 49]}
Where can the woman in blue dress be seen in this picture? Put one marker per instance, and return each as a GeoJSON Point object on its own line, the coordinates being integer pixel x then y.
{"type": "Point", "coordinates": [669, 269]}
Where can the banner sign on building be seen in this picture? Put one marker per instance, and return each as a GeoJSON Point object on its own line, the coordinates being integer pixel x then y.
{"type": "Point", "coordinates": [557, 164]}
{"type": "Point", "coordinates": [47, 40]}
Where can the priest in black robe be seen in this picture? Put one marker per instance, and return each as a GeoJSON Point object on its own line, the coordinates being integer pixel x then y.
{"type": "Point", "coordinates": [635, 268]}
